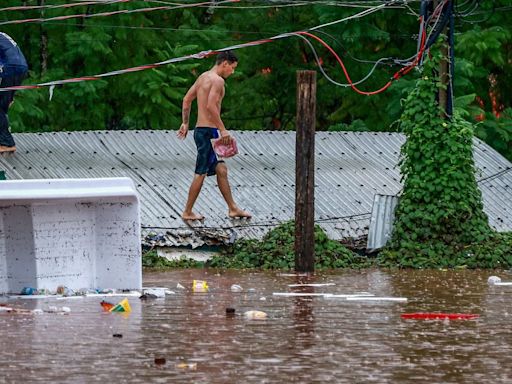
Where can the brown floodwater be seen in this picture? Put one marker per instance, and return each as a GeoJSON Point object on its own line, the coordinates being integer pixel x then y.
{"type": "Point", "coordinates": [187, 337]}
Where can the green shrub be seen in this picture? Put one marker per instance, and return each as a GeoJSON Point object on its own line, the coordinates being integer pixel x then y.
{"type": "Point", "coordinates": [276, 251]}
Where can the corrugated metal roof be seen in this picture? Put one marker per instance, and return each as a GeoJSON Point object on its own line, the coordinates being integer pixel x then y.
{"type": "Point", "coordinates": [351, 167]}
{"type": "Point", "coordinates": [381, 221]}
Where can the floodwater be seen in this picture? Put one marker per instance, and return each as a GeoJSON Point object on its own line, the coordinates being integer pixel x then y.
{"type": "Point", "coordinates": [187, 337]}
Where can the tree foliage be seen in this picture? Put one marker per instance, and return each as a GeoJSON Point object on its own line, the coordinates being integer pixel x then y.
{"type": "Point", "coordinates": [261, 95]}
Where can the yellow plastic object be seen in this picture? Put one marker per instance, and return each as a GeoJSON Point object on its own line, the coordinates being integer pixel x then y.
{"type": "Point", "coordinates": [122, 306]}
{"type": "Point", "coordinates": [199, 286]}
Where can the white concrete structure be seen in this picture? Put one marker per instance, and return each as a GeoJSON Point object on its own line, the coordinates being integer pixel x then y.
{"type": "Point", "coordinates": [78, 233]}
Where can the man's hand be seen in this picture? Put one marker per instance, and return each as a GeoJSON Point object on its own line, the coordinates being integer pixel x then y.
{"type": "Point", "coordinates": [182, 132]}
{"type": "Point", "coordinates": [225, 137]}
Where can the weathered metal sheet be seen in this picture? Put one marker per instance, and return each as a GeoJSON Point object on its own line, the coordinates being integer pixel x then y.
{"type": "Point", "coordinates": [381, 222]}
{"type": "Point", "coordinates": [350, 168]}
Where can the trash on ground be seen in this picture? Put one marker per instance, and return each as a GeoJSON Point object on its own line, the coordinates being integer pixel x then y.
{"type": "Point", "coordinates": [347, 295]}
{"type": "Point", "coordinates": [179, 286]}
{"type": "Point", "coordinates": [117, 335]}
{"type": "Point", "coordinates": [106, 305]}
{"type": "Point", "coordinates": [115, 294]}
{"type": "Point", "coordinates": [153, 293]}
{"type": "Point", "coordinates": [37, 311]}
{"type": "Point", "coordinates": [236, 288]}
{"type": "Point", "coordinates": [298, 294]}
{"type": "Point", "coordinates": [375, 298]}
{"type": "Point", "coordinates": [122, 306]}
{"type": "Point", "coordinates": [55, 309]}
{"type": "Point", "coordinates": [255, 315]}
{"type": "Point", "coordinates": [65, 291]}
{"type": "Point", "coordinates": [311, 285]}
{"type": "Point", "coordinates": [495, 280]}
{"type": "Point", "coordinates": [160, 360]}
{"type": "Point", "coordinates": [439, 316]}
{"type": "Point", "coordinates": [191, 366]}
{"type": "Point", "coordinates": [230, 312]}
{"type": "Point", "coordinates": [29, 291]}
{"type": "Point", "coordinates": [199, 286]}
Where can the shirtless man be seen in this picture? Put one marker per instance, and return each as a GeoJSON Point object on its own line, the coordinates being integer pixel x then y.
{"type": "Point", "coordinates": [209, 91]}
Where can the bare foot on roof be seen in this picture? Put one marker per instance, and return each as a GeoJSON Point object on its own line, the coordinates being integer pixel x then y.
{"type": "Point", "coordinates": [6, 149]}
{"type": "Point", "coordinates": [238, 214]}
{"type": "Point", "coordinates": [192, 216]}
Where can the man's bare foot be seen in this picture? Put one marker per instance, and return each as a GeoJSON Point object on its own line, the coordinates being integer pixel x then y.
{"type": "Point", "coordinates": [6, 149]}
{"type": "Point", "coordinates": [239, 214]}
{"type": "Point", "coordinates": [192, 216]}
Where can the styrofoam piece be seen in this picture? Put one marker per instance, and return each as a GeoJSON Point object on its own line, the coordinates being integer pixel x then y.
{"type": "Point", "coordinates": [69, 297]}
{"type": "Point", "coordinates": [77, 233]}
{"type": "Point", "coordinates": [344, 296]}
{"type": "Point", "coordinates": [164, 288]}
{"type": "Point", "coordinates": [504, 283]}
{"type": "Point", "coordinates": [33, 297]}
{"type": "Point", "coordinates": [120, 294]}
{"type": "Point", "coordinates": [375, 298]}
{"type": "Point", "coordinates": [311, 285]}
{"type": "Point", "coordinates": [298, 274]}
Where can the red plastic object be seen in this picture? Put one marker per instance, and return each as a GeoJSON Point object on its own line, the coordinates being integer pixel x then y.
{"type": "Point", "coordinates": [106, 305]}
{"type": "Point", "coordinates": [437, 316]}
{"type": "Point", "coordinates": [225, 150]}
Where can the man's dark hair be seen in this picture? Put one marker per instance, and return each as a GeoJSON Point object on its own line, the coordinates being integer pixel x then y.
{"type": "Point", "coordinates": [228, 56]}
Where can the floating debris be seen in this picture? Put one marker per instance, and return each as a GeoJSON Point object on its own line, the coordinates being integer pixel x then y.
{"type": "Point", "coordinates": [374, 298]}
{"type": "Point", "coordinates": [439, 316]}
{"type": "Point", "coordinates": [122, 306]}
{"type": "Point", "coordinates": [255, 315]}
{"type": "Point", "coordinates": [495, 280]}
{"type": "Point", "coordinates": [199, 286]}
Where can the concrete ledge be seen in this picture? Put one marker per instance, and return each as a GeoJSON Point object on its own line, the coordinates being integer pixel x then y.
{"type": "Point", "coordinates": [79, 233]}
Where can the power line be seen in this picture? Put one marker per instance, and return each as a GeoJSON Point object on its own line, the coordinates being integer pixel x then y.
{"type": "Point", "coordinates": [112, 13]}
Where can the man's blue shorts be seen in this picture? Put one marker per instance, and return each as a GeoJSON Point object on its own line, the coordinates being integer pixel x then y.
{"type": "Point", "coordinates": [206, 161]}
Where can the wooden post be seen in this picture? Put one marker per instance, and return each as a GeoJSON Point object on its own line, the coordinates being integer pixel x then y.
{"type": "Point", "coordinates": [444, 70]}
{"type": "Point", "coordinates": [305, 172]}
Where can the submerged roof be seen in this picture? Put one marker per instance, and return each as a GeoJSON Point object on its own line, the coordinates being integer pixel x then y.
{"type": "Point", "coordinates": [350, 168]}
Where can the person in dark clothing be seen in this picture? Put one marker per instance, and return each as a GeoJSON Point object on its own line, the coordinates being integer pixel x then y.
{"type": "Point", "coordinates": [13, 69]}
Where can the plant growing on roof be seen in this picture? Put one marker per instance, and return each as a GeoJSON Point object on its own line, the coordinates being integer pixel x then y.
{"type": "Point", "coordinates": [440, 217]}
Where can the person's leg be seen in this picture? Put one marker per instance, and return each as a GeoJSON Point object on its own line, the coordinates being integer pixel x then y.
{"type": "Point", "coordinates": [193, 193]}
{"type": "Point", "coordinates": [7, 143]}
{"type": "Point", "coordinates": [6, 140]}
{"type": "Point", "coordinates": [222, 180]}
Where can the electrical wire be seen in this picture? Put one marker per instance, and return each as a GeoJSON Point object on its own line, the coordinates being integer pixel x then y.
{"type": "Point", "coordinates": [204, 54]}
{"type": "Point", "coordinates": [112, 13]}
{"type": "Point", "coordinates": [68, 5]}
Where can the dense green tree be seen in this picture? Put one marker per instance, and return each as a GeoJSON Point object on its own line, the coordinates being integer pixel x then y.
{"type": "Point", "coordinates": [261, 95]}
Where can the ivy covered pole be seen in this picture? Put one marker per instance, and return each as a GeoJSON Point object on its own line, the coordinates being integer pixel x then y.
{"type": "Point", "coordinates": [440, 212]}
{"type": "Point", "coordinates": [446, 65]}
{"type": "Point", "coordinates": [305, 172]}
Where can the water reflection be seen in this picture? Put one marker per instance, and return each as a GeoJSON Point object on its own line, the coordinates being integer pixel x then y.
{"type": "Point", "coordinates": [303, 340]}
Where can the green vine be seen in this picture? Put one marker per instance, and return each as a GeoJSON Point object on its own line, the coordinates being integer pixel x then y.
{"type": "Point", "coordinates": [440, 220]}
{"type": "Point", "coordinates": [276, 251]}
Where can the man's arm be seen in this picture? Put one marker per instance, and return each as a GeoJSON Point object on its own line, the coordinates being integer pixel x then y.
{"type": "Point", "coordinates": [213, 107]}
{"type": "Point", "coordinates": [185, 110]}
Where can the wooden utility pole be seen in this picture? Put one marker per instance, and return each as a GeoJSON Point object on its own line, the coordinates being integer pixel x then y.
{"type": "Point", "coordinates": [446, 65]}
{"type": "Point", "coordinates": [43, 43]}
{"type": "Point", "coordinates": [305, 172]}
